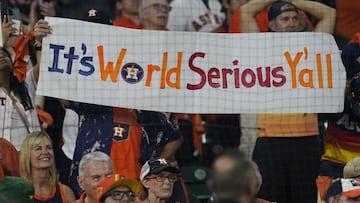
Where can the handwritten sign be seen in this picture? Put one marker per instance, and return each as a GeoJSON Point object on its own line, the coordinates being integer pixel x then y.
{"type": "Point", "coordinates": [192, 72]}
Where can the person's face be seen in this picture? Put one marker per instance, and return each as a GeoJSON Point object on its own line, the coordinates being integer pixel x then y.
{"type": "Point", "coordinates": [94, 172]}
{"type": "Point", "coordinates": [120, 195]}
{"type": "Point", "coordinates": [161, 185]}
{"type": "Point", "coordinates": [5, 63]}
{"type": "Point", "coordinates": [42, 155]}
{"type": "Point", "coordinates": [285, 22]}
{"type": "Point", "coordinates": [155, 15]}
{"type": "Point", "coordinates": [129, 6]}
{"type": "Point", "coordinates": [223, 164]}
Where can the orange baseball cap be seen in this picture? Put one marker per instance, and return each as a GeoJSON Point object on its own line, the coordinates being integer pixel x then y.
{"type": "Point", "coordinates": [109, 183]}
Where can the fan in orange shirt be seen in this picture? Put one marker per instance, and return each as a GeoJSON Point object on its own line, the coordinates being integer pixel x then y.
{"type": "Point", "coordinates": [129, 14]}
{"type": "Point", "coordinates": [261, 19]}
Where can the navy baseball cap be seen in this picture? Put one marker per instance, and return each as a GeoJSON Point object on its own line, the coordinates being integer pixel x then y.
{"type": "Point", "coordinates": [280, 7]}
{"type": "Point", "coordinates": [155, 166]}
{"type": "Point", "coordinates": [348, 187]}
{"type": "Point", "coordinates": [97, 16]}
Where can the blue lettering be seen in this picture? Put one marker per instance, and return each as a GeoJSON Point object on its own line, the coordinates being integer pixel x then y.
{"type": "Point", "coordinates": [57, 49]}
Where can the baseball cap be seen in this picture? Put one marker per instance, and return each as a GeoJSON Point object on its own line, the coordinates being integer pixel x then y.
{"type": "Point", "coordinates": [15, 189]}
{"type": "Point", "coordinates": [155, 166]}
{"type": "Point", "coordinates": [280, 7]}
{"type": "Point", "coordinates": [352, 168]}
{"type": "Point", "coordinates": [97, 16]}
{"type": "Point", "coordinates": [109, 183]}
{"type": "Point", "coordinates": [348, 187]}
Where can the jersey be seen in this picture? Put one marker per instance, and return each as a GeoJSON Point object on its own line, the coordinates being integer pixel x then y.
{"type": "Point", "coordinates": [342, 141]}
{"type": "Point", "coordinates": [341, 145]}
{"type": "Point", "coordinates": [12, 126]}
{"type": "Point", "coordinates": [126, 142]}
{"type": "Point", "coordinates": [57, 195]}
{"type": "Point", "coordinates": [194, 15]}
{"type": "Point", "coordinates": [113, 131]}
{"type": "Point", "coordinates": [158, 132]}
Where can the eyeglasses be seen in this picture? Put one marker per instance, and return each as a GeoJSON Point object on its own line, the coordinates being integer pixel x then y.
{"type": "Point", "coordinates": [98, 177]}
{"type": "Point", "coordinates": [159, 7]}
{"type": "Point", "coordinates": [161, 178]}
{"type": "Point", "coordinates": [119, 195]}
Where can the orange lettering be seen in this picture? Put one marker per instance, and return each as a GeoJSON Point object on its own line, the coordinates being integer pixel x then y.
{"type": "Point", "coordinates": [310, 82]}
{"type": "Point", "coordinates": [319, 69]}
{"type": "Point", "coordinates": [151, 69]}
{"type": "Point", "coordinates": [293, 64]}
{"type": "Point", "coordinates": [177, 71]}
{"type": "Point", "coordinates": [104, 72]}
{"type": "Point", "coordinates": [329, 70]}
{"type": "Point", "coordinates": [163, 71]}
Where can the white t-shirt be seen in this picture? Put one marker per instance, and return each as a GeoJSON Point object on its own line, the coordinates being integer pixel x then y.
{"type": "Point", "coordinates": [69, 132]}
{"type": "Point", "coordinates": [193, 15]}
{"type": "Point", "coordinates": [12, 127]}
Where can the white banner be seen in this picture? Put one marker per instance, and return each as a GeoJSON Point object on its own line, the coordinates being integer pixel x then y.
{"type": "Point", "coordinates": [192, 72]}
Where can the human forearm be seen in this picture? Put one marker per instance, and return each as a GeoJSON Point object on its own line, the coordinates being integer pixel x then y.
{"type": "Point", "coordinates": [170, 148]}
{"type": "Point", "coordinates": [325, 15]}
{"type": "Point", "coordinates": [248, 13]}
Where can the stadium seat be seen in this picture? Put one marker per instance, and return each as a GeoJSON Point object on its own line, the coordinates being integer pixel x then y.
{"type": "Point", "coordinates": [195, 178]}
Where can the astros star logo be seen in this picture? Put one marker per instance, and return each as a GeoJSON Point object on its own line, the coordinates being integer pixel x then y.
{"type": "Point", "coordinates": [132, 73]}
{"type": "Point", "coordinates": [92, 12]}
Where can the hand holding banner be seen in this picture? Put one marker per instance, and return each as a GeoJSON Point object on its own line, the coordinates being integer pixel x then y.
{"type": "Point", "coordinates": [192, 72]}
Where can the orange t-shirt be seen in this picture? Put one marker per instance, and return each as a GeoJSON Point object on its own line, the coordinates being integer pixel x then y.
{"type": "Point", "coordinates": [126, 22]}
{"type": "Point", "coordinates": [287, 125]}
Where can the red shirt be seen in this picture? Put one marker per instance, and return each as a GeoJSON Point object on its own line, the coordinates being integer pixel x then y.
{"type": "Point", "coordinates": [126, 22]}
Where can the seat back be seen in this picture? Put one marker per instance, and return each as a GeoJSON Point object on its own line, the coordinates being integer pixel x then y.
{"type": "Point", "coordinates": [195, 178]}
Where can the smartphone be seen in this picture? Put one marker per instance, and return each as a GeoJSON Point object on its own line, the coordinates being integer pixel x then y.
{"type": "Point", "coordinates": [13, 14]}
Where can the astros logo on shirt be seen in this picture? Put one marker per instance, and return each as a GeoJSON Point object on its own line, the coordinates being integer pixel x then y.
{"type": "Point", "coordinates": [121, 132]}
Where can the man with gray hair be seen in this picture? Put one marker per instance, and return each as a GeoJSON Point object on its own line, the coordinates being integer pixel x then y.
{"type": "Point", "coordinates": [93, 167]}
{"type": "Point", "coordinates": [235, 178]}
{"type": "Point", "coordinates": [154, 14]}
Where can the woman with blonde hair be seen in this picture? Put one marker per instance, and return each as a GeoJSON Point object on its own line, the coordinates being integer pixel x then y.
{"type": "Point", "coordinates": [37, 165]}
